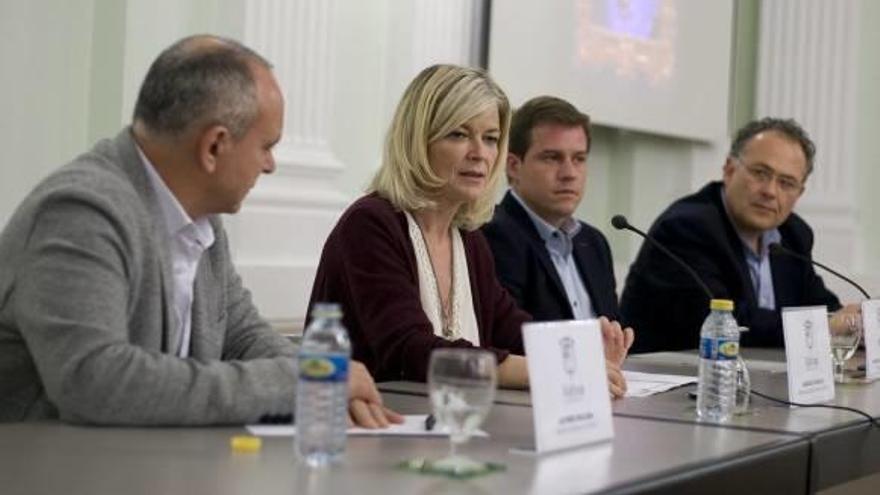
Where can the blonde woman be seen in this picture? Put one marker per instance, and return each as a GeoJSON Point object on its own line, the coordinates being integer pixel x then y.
{"type": "Point", "coordinates": [406, 262]}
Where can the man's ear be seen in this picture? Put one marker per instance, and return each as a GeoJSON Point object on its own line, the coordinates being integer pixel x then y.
{"type": "Point", "coordinates": [728, 169]}
{"type": "Point", "coordinates": [513, 166]}
{"type": "Point", "coordinates": [213, 142]}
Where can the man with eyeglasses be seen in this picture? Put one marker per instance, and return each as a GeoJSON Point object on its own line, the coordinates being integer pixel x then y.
{"type": "Point", "coordinates": [724, 232]}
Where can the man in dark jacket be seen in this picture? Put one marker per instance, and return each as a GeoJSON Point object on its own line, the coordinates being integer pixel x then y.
{"type": "Point", "coordinates": [555, 266]}
{"type": "Point", "coordinates": [724, 232]}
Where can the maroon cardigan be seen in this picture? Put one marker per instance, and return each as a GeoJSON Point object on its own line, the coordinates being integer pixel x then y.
{"type": "Point", "coordinates": [369, 266]}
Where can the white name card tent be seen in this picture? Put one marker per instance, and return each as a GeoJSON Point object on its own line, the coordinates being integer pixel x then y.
{"type": "Point", "coordinates": [808, 354]}
{"type": "Point", "coordinates": [569, 385]}
{"type": "Point", "coordinates": [871, 338]}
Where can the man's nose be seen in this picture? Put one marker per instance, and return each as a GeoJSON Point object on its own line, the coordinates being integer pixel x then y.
{"type": "Point", "coordinates": [567, 169]}
{"type": "Point", "coordinates": [269, 166]}
{"type": "Point", "coordinates": [770, 187]}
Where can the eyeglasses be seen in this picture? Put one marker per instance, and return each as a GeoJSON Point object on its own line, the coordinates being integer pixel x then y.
{"type": "Point", "coordinates": [763, 174]}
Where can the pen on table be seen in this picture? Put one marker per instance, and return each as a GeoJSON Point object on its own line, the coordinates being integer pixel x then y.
{"type": "Point", "coordinates": [430, 421]}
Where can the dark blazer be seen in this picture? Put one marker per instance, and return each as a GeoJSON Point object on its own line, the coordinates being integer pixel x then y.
{"type": "Point", "coordinates": [527, 272]}
{"type": "Point", "coordinates": [368, 265]}
{"type": "Point", "coordinates": [668, 308]}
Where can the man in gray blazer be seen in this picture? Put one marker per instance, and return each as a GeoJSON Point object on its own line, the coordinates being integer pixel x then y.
{"type": "Point", "coordinates": [119, 303]}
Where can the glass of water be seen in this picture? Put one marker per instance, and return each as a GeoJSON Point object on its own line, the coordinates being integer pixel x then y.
{"type": "Point", "coordinates": [846, 333]}
{"type": "Point", "coordinates": [461, 383]}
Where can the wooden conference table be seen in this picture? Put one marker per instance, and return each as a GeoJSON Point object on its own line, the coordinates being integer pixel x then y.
{"type": "Point", "coordinates": [658, 447]}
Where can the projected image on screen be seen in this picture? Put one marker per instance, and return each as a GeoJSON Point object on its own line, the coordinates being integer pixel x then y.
{"type": "Point", "coordinates": [635, 38]}
{"type": "Point", "coordinates": [656, 66]}
{"type": "Point", "coordinates": [633, 18]}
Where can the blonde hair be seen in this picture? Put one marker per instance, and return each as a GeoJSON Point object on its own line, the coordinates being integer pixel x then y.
{"type": "Point", "coordinates": [439, 100]}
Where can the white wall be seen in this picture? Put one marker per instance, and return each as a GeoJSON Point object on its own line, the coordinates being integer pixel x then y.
{"type": "Point", "coordinates": [44, 83]}
{"type": "Point", "coordinates": [382, 45]}
{"type": "Point", "coordinates": [636, 175]}
{"type": "Point", "coordinates": [867, 153]}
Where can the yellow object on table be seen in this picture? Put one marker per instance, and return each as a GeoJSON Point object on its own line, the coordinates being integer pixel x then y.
{"type": "Point", "coordinates": [245, 444]}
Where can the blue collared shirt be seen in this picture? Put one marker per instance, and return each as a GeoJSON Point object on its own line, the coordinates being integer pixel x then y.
{"type": "Point", "coordinates": [759, 263]}
{"type": "Point", "coordinates": [559, 244]}
{"type": "Point", "coordinates": [759, 269]}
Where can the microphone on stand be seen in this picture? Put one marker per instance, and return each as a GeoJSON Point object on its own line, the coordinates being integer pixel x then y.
{"type": "Point", "coordinates": [619, 222]}
{"type": "Point", "coordinates": [778, 249]}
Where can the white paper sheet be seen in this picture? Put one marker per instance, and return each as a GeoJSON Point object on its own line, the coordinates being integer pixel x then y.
{"type": "Point", "coordinates": [413, 425]}
{"type": "Point", "coordinates": [639, 384]}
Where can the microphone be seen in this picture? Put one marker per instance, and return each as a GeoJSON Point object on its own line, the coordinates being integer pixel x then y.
{"type": "Point", "coordinates": [777, 248]}
{"type": "Point", "coordinates": [619, 222]}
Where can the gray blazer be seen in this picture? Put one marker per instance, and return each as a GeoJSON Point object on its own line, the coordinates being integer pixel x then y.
{"type": "Point", "coordinates": [87, 330]}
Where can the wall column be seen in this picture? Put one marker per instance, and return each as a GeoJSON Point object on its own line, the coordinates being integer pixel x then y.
{"type": "Point", "coordinates": [808, 70]}
{"type": "Point", "coordinates": [281, 229]}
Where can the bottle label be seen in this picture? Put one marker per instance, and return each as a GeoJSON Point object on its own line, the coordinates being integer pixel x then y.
{"type": "Point", "coordinates": [323, 367]}
{"type": "Point", "coordinates": [718, 349]}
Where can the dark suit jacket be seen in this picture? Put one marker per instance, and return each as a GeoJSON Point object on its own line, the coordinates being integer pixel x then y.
{"type": "Point", "coordinates": [526, 270]}
{"type": "Point", "coordinates": [368, 265]}
{"type": "Point", "coordinates": [668, 308]}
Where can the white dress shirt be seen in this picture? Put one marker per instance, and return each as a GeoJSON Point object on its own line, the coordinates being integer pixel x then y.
{"type": "Point", "coordinates": [188, 240]}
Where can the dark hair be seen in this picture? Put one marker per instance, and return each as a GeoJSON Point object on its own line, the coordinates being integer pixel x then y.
{"type": "Point", "coordinates": [787, 127]}
{"type": "Point", "coordinates": [203, 79]}
{"type": "Point", "coordinates": [542, 110]}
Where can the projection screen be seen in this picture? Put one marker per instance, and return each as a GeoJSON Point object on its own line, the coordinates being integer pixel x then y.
{"type": "Point", "coordinates": [658, 66]}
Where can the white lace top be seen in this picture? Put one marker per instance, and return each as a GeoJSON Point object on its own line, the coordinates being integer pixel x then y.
{"type": "Point", "coordinates": [463, 320]}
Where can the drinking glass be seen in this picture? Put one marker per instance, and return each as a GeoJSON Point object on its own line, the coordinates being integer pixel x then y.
{"type": "Point", "coordinates": [461, 383]}
{"type": "Point", "coordinates": [846, 333]}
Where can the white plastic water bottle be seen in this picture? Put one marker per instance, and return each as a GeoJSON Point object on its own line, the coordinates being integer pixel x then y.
{"type": "Point", "coordinates": [321, 414]}
{"type": "Point", "coordinates": [719, 348]}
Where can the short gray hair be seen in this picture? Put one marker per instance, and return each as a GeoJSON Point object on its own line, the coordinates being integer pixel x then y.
{"type": "Point", "coordinates": [787, 127]}
{"type": "Point", "coordinates": [200, 80]}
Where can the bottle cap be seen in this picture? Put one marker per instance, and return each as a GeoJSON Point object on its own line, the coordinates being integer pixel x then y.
{"type": "Point", "coordinates": [721, 304]}
{"type": "Point", "coordinates": [245, 444]}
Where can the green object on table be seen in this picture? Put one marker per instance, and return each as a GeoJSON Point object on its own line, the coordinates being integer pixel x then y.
{"type": "Point", "coordinates": [460, 468]}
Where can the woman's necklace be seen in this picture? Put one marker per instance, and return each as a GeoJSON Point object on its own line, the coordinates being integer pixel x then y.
{"type": "Point", "coordinates": [447, 320]}
{"type": "Point", "coordinates": [444, 315]}
{"type": "Point", "coordinates": [447, 316]}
